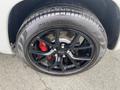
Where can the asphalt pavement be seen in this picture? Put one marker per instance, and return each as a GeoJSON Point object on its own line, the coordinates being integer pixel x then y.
{"type": "Point", "coordinates": [16, 75]}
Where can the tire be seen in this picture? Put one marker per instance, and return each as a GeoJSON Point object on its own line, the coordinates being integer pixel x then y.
{"type": "Point", "coordinates": [78, 18]}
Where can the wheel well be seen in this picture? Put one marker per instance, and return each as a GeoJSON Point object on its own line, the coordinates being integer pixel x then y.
{"type": "Point", "coordinates": [105, 10]}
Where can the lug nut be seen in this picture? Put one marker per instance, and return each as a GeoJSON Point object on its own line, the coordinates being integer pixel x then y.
{"type": "Point", "coordinates": [64, 56]}
{"type": "Point", "coordinates": [63, 46]}
{"type": "Point", "coordinates": [55, 49]}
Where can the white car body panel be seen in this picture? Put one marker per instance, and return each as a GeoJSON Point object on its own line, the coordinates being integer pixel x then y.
{"type": "Point", "coordinates": [5, 8]}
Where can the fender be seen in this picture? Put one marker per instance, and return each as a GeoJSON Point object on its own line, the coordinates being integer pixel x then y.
{"type": "Point", "coordinates": [5, 8]}
{"type": "Point", "coordinates": [117, 47]}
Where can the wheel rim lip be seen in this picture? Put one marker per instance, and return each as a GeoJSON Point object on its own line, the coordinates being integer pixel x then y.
{"type": "Point", "coordinates": [67, 72]}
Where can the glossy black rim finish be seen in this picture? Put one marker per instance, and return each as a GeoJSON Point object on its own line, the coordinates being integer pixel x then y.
{"type": "Point", "coordinates": [61, 50]}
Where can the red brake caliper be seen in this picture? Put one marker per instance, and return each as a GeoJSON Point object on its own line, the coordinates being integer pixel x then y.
{"type": "Point", "coordinates": [43, 46]}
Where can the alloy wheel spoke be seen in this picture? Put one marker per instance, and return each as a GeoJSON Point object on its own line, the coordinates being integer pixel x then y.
{"type": "Point", "coordinates": [69, 54]}
{"type": "Point", "coordinates": [55, 63]}
{"type": "Point", "coordinates": [75, 39]}
{"type": "Point", "coordinates": [57, 36]}
{"type": "Point", "coordinates": [83, 47]}
{"type": "Point", "coordinates": [58, 62]}
{"type": "Point", "coordinates": [74, 62]}
{"type": "Point", "coordinates": [61, 64]}
{"type": "Point", "coordinates": [41, 53]}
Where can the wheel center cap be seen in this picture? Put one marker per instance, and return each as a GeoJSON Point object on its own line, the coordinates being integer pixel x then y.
{"type": "Point", "coordinates": [62, 49]}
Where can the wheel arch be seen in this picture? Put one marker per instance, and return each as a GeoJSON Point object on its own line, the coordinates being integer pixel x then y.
{"type": "Point", "coordinates": [105, 10]}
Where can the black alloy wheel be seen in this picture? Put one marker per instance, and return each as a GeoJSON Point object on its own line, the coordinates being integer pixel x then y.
{"type": "Point", "coordinates": [62, 40]}
{"type": "Point", "coordinates": [61, 50]}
